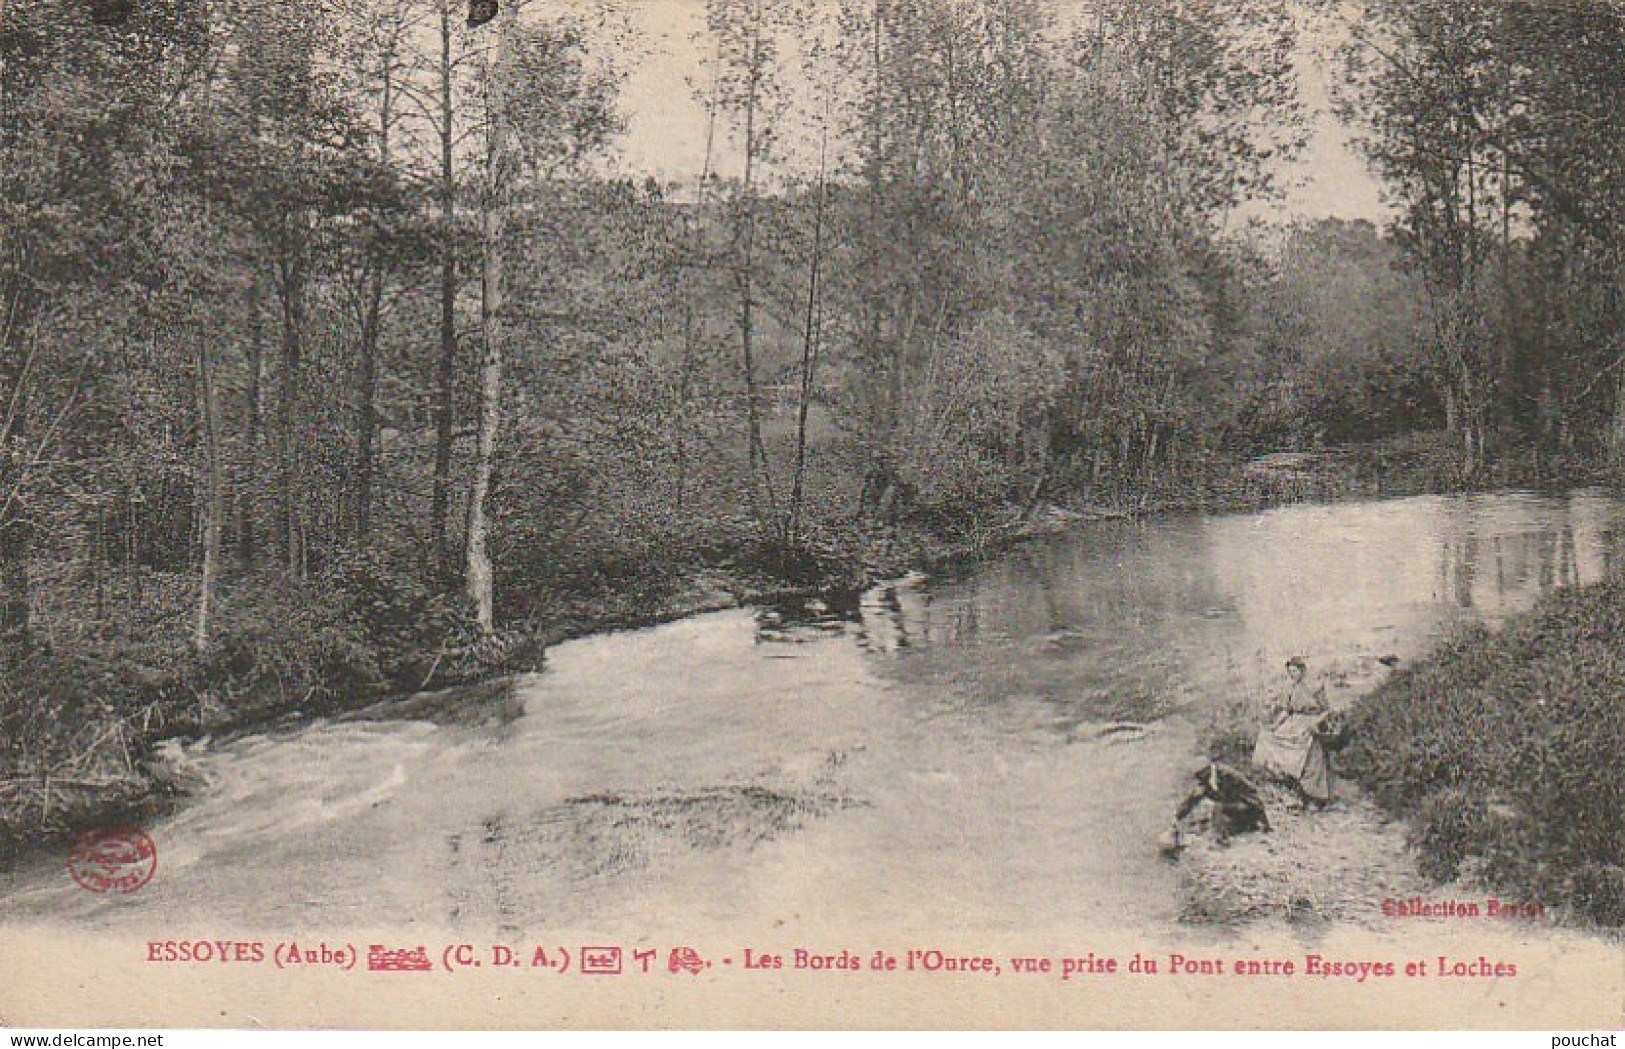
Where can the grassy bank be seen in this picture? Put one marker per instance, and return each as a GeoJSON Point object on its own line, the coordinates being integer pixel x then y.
{"type": "Point", "coordinates": [1505, 754]}
{"type": "Point", "coordinates": [112, 673]}
{"type": "Point", "coordinates": [1410, 464]}
{"type": "Point", "coordinates": [1498, 757]}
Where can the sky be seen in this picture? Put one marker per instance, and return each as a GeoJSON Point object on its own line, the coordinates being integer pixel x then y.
{"type": "Point", "coordinates": [667, 131]}
{"type": "Point", "coordinates": [1331, 179]}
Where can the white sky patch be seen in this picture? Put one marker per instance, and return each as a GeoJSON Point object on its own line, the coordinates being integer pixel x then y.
{"type": "Point", "coordinates": [666, 135]}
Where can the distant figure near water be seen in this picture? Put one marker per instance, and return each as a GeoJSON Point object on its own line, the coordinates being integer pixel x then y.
{"type": "Point", "coordinates": [1290, 746]}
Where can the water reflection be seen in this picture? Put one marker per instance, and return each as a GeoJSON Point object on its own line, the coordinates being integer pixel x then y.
{"type": "Point", "coordinates": [891, 612]}
{"type": "Point", "coordinates": [958, 744]}
{"type": "Point", "coordinates": [799, 618]}
{"type": "Point", "coordinates": [1497, 554]}
{"type": "Point", "coordinates": [1130, 619]}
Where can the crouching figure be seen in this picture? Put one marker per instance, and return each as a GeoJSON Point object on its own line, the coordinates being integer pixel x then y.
{"type": "Point", "coordinates": [1235, 805]}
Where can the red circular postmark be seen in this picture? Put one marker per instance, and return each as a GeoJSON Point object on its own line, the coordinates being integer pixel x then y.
{"type": "Point", "coordinates": [113, 861]}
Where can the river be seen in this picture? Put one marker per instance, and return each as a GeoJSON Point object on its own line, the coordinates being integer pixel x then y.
{"type": "Point", "coordinates": [956, 753]}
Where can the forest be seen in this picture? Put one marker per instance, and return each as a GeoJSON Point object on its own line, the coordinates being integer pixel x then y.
{"type": "Point", "coordinates": [340, 356]}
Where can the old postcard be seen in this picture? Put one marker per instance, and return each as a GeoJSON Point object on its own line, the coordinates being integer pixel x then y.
{"type": "Point", "coordinates": [812, 513]}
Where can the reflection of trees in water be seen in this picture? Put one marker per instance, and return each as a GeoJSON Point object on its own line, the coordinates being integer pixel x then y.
{"type": "Point", "coordinates": [1089, 621]}
{"type": "Point", "coordinates": [1100, 623]}
{"type": "Point", "coordinates": [1450, 576]}
{"type": "Point", "coordinates": [1466, 571]}
{"type": "Point", "coordinates": [1524, 564]}
{"type": "Point", "coordinates": [885, 622]}
{"type": "Point", "coordinates": [886, 618]}
{"type": "Point", "coordinates": [797, 618]}
{"type": "Point", "coordinates": [1108, 578]}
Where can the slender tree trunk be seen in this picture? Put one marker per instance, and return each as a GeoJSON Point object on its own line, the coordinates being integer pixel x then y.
{"type": "Point", "coordinates": [479, 575]}
{"type": "Point", "coordinates": [747, 266]}
{"type": "Point", "coordinates": [479, 571]}
{"type": "Point", "coordinates": [809, 347]}
{"type": "Point", "coordinates": [16, 637]}
{"type": "Point", "coordinates": [445, 371]}
{"type": "Point", "coordinates": [255, 415]}
{"type": "Point", "coordinates": [213, 498]}
{"type": "Point", "coordinates": [289, 489]}
{"type": "Point", "coordinates": [879, 479]}
{"type": "Point", "coordinates": [746, 279]}
{"type": "Point", "coordinates": [371, 319]}
{"type": "Point", "coordinates": [686, 376]}
{"type": "Point", "coordinates": [366, 422]}
{"type": "Point", "coordinates": [1616, 443]}
{"type": "Point", "coordinates": [685, 383]}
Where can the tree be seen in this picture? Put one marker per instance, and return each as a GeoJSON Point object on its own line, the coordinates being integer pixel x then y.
{"type": "Point", "coordinates": [1565, 143]}
{"type": "Point", "coordinates": [942, 93]}
{"type": "Point", "coordinates": [1219, 79]}
{"type": "Point", "coordinates": [1429, 81]}
{"type": "Point", "coordinates": [747, 85]}
{"type": "Point", "coordinates": [548, 112]}
{"type": "Point", "coordinates": [1352, 320]}
{"type": "Point", "coordinates": [377, 48]}
{"type": "Point", "coordinates": [811, 339]}
{"type": "Point", "coordinates": [78, 103]}
{"type": "Point", "coordinates": [447, 134]}
{"type": "Point", "coordinates": [500, 170]}
{"type": "Point", "coordinates": [295, 165]}
{"type": "Point", "coordinates": [1493, 124]}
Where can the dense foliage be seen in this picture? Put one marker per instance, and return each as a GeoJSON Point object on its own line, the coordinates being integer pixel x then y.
{"type": "Point", "coordinates": [1504, 753]}
{"type": "Point", "coordinates": [333, 344]}
{"type": "Point", "coordinates": [1496, 126]}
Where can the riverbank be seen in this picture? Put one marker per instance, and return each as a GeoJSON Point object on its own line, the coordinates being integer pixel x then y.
{"type": "Point", "coordinates": [87, 712]}
{"type": "Point", "coordinates": [1489, 770]}
{"type": "Point", "coordinates": [1504, 754]}
{"type": "Point", "coordinates": [93, 715]}
{"type": "Point", "coordinates": [94, 720]}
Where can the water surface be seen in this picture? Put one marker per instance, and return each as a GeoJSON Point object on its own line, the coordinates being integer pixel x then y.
{"type": "Point", "coordinates": [971, 751]}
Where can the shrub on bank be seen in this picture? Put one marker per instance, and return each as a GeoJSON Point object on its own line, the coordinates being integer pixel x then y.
{"type": "Point", "coordinates": [1506, 753]}
{"type": "Point", "coordinates": [108, 679]}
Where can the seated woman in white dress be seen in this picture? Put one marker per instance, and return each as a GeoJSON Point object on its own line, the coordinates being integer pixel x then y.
{"type": "Point", "coordinates": [1289, 746]}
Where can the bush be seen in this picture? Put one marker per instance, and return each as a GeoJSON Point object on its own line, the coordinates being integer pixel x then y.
{"type": "Point", "coordinates": [1505, 753]}
{"type": "Point", "coordinates": [279, 647]}
{"type": "Point", "coordinates": [49, 700]}
{"type": "Point", "coordinates": [406, 628]}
